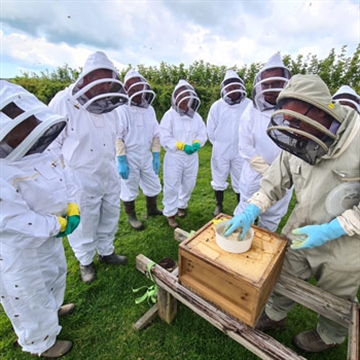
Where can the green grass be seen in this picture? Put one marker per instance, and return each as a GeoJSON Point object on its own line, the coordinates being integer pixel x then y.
{"type": "Point", "coordinates": [101, 326]}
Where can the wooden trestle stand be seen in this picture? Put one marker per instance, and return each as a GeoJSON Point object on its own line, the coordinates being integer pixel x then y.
{"type": "Point", "coordinates": [170, 291]}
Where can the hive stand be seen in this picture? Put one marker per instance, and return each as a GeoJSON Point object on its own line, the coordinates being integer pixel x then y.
{"type": "Point", "coordinates": [343, 312]}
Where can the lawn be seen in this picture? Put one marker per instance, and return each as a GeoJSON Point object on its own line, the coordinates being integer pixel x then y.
{"type": "Point", "coordinates": [101, 326]}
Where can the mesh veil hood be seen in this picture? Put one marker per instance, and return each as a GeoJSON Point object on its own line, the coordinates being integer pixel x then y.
{"type": "Point", "coordinates": [312, 90]}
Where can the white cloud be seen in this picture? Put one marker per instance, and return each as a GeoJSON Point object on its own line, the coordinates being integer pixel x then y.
{"type": "Point", "coordinates": [45, 35]}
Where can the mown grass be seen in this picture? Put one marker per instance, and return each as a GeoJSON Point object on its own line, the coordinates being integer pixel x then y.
{"type": "Point", "coordinates": [101, 326]}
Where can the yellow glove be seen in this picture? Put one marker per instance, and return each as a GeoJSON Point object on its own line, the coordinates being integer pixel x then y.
{"type": "Point", "coordinates": [63, 222]}
{"type": "Point", "coordinates": [72, 210]}
{"type": "Point", "coordinates": [180, 145]}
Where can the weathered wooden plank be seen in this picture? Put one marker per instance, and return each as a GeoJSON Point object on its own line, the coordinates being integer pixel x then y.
{"type": "Point", "coordinates": [180, 234]}
{"type": "Point", "coordinates": [147, 318]}
{"type": "Point", "coordinates": [167, 304]}
{"type": "Point", "coordinates": [314, 298]}
{"type": "Point", "coordinates": [354, 333]}
{"type": "Point", "coordinates": [257, 342]}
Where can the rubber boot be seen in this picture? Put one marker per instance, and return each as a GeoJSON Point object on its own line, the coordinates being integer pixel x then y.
{"type": "Point", "coordinates": [130, 211]}
{"type": "Point", "coordinates": [172, 222]}
{"type": "Point", "coordinates": [238, 197]}
{"type": "Point", "coordinates": [151, 206]}
{"type": "Point", "coordinates": [219, 196]}
{"type": "Point", "coordinates": [87, 272]}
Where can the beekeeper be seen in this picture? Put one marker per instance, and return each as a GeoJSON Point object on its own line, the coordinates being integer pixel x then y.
{"type": "Point", "coordinates": [255, 147]}
{"type": "Point", "coordinates": [182, 134]}
{"type": "Point", "coordinates": [223, 131]}
{"type": "Point", "coordinates": [87, 146]}
{"type": "Point", "coordinates": [321, 142]}
{"type": "Point", "coordinates": [347, 96]}
{"type": "Point", "coordinates": [37, 208]}
{"type": "Point", "coordinates": [138, 148]}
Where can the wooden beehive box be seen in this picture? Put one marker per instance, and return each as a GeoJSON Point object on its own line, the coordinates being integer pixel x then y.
{"type": "Point", "coordinates": [238, 284]}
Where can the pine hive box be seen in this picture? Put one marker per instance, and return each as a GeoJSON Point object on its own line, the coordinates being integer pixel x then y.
{"type": "Point", "coordinates": [238, 284]}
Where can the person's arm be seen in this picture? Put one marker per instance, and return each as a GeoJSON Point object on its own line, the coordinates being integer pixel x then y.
{"type": "Point", "coordinates": [311, 236]}
{"type": "Point", "coordinates": [167, 138]}
{"type": "Point", "coordinates": [21, 227]}
{"type": "Point", "coordinates": [211, 124]}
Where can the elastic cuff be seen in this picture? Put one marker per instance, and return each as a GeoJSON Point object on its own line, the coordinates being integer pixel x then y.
{"type": "Point", "coordinates": [180, 145]}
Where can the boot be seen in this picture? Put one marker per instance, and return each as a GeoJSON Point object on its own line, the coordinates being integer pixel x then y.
{"type": "Point", "coordinates": [310, 341]}
{"type": "Point", "coordinates": [151, 206]}
{"type": "Point", "coordinates": [130, 211]}
{"type": "Point", "coordinates": [181, 213]}
{"type": "Point", "coordinates": [87, 273]}
{"type": "Point", "coordinates": [219, 196]}
{"type": "Point", "coordinates": [238, 197]}
{"type": "Point", "coordinates": [172, 222]}
{"type": "Point", "coordinates": [60, 348]}
{"type": "Point", "coordinates": [113, 259]}
{"type": "Point", "coordinates": [66, 310]}
{"type": "Point", "coordinates": [266, 324]}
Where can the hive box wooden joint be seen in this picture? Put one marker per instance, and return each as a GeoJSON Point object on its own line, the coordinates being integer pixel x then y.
{"type": "Point", "coordinates": [238, 284]}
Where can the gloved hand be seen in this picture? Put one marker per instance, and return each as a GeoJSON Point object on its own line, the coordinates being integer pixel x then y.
{"type": "Point", "coordinates": [63, 222]}
{"type": "Point", "coordinates": [73, 218]}
{"type": "Point", "coordinates": [196, 145]}
{"type": "Point", "coordinates": [311, 236]}
{"type": "Point", "coordinates": [156, 162]}
{"type": "Point", "coordinates": [188, 149]}
{"type": "Point", "coordinates": [244, 220]}
{"type": "Point", "coordinates": [123, 167]}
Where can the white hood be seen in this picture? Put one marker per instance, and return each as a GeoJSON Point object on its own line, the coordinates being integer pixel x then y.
{"type": "Point", "coordinates": [25, 105]}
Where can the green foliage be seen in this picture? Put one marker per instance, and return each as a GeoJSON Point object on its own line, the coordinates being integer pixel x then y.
{"type": "Point", "coordinates": [336, 70]}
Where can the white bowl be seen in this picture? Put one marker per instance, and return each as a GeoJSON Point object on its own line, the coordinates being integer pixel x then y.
{"type": "Point", "coordinates": [232, 243]}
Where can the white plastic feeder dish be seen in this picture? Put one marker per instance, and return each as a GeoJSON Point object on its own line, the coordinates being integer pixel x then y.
{"type": "Point", "coordinates": [232, 244]}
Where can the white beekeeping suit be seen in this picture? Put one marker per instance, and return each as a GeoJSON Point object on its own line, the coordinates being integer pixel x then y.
{"type": "Point", "coordinates": [347, 96]}
{"type": "Point", "coordinates": [35, 193]}
{"type": "Point", "coordinates": [223, 131]}
{"type": "Point", "coordinates": [87, 146]}
{"type": "Point", "coordinates": [255, 147]}
{"type": "Point", "coordinates": [138, 146]}
{"type": "Point", "coordinates": [182, 133]}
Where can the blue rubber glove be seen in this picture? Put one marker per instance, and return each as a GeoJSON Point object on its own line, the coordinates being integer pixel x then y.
{"type": "Point", "coordinates": [123, 167]}
{"type": "Point", "coordinates": [188, 149]}
{"type": "Point", "coordinates": [156, 162]}
{"type": "Point", "coordinates": [244, 220]}
{"type": "Point", "coordinates": [311, 236]}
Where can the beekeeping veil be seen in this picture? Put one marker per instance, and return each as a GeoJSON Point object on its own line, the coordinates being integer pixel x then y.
{"type": "Point", "coordinates": [138, 90]}
{"type": "Point", "coordinates": [232, 88]}
{"type": "Point", "coordinates": [98, 88]}
{"type": "Point", "coordinates": [184, 99]}
{"type": "Point", "coordinates": [348, 95]}
{"type": "Point", "coordinates": [287, 127]}
{"type": "Point", "coordinates": [27, 126]}
{"type": "Point", "coordinates": [264, 85]}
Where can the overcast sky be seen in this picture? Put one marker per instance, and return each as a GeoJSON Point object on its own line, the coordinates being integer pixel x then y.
{"type": "Point", "coordinates": [45, 34]}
